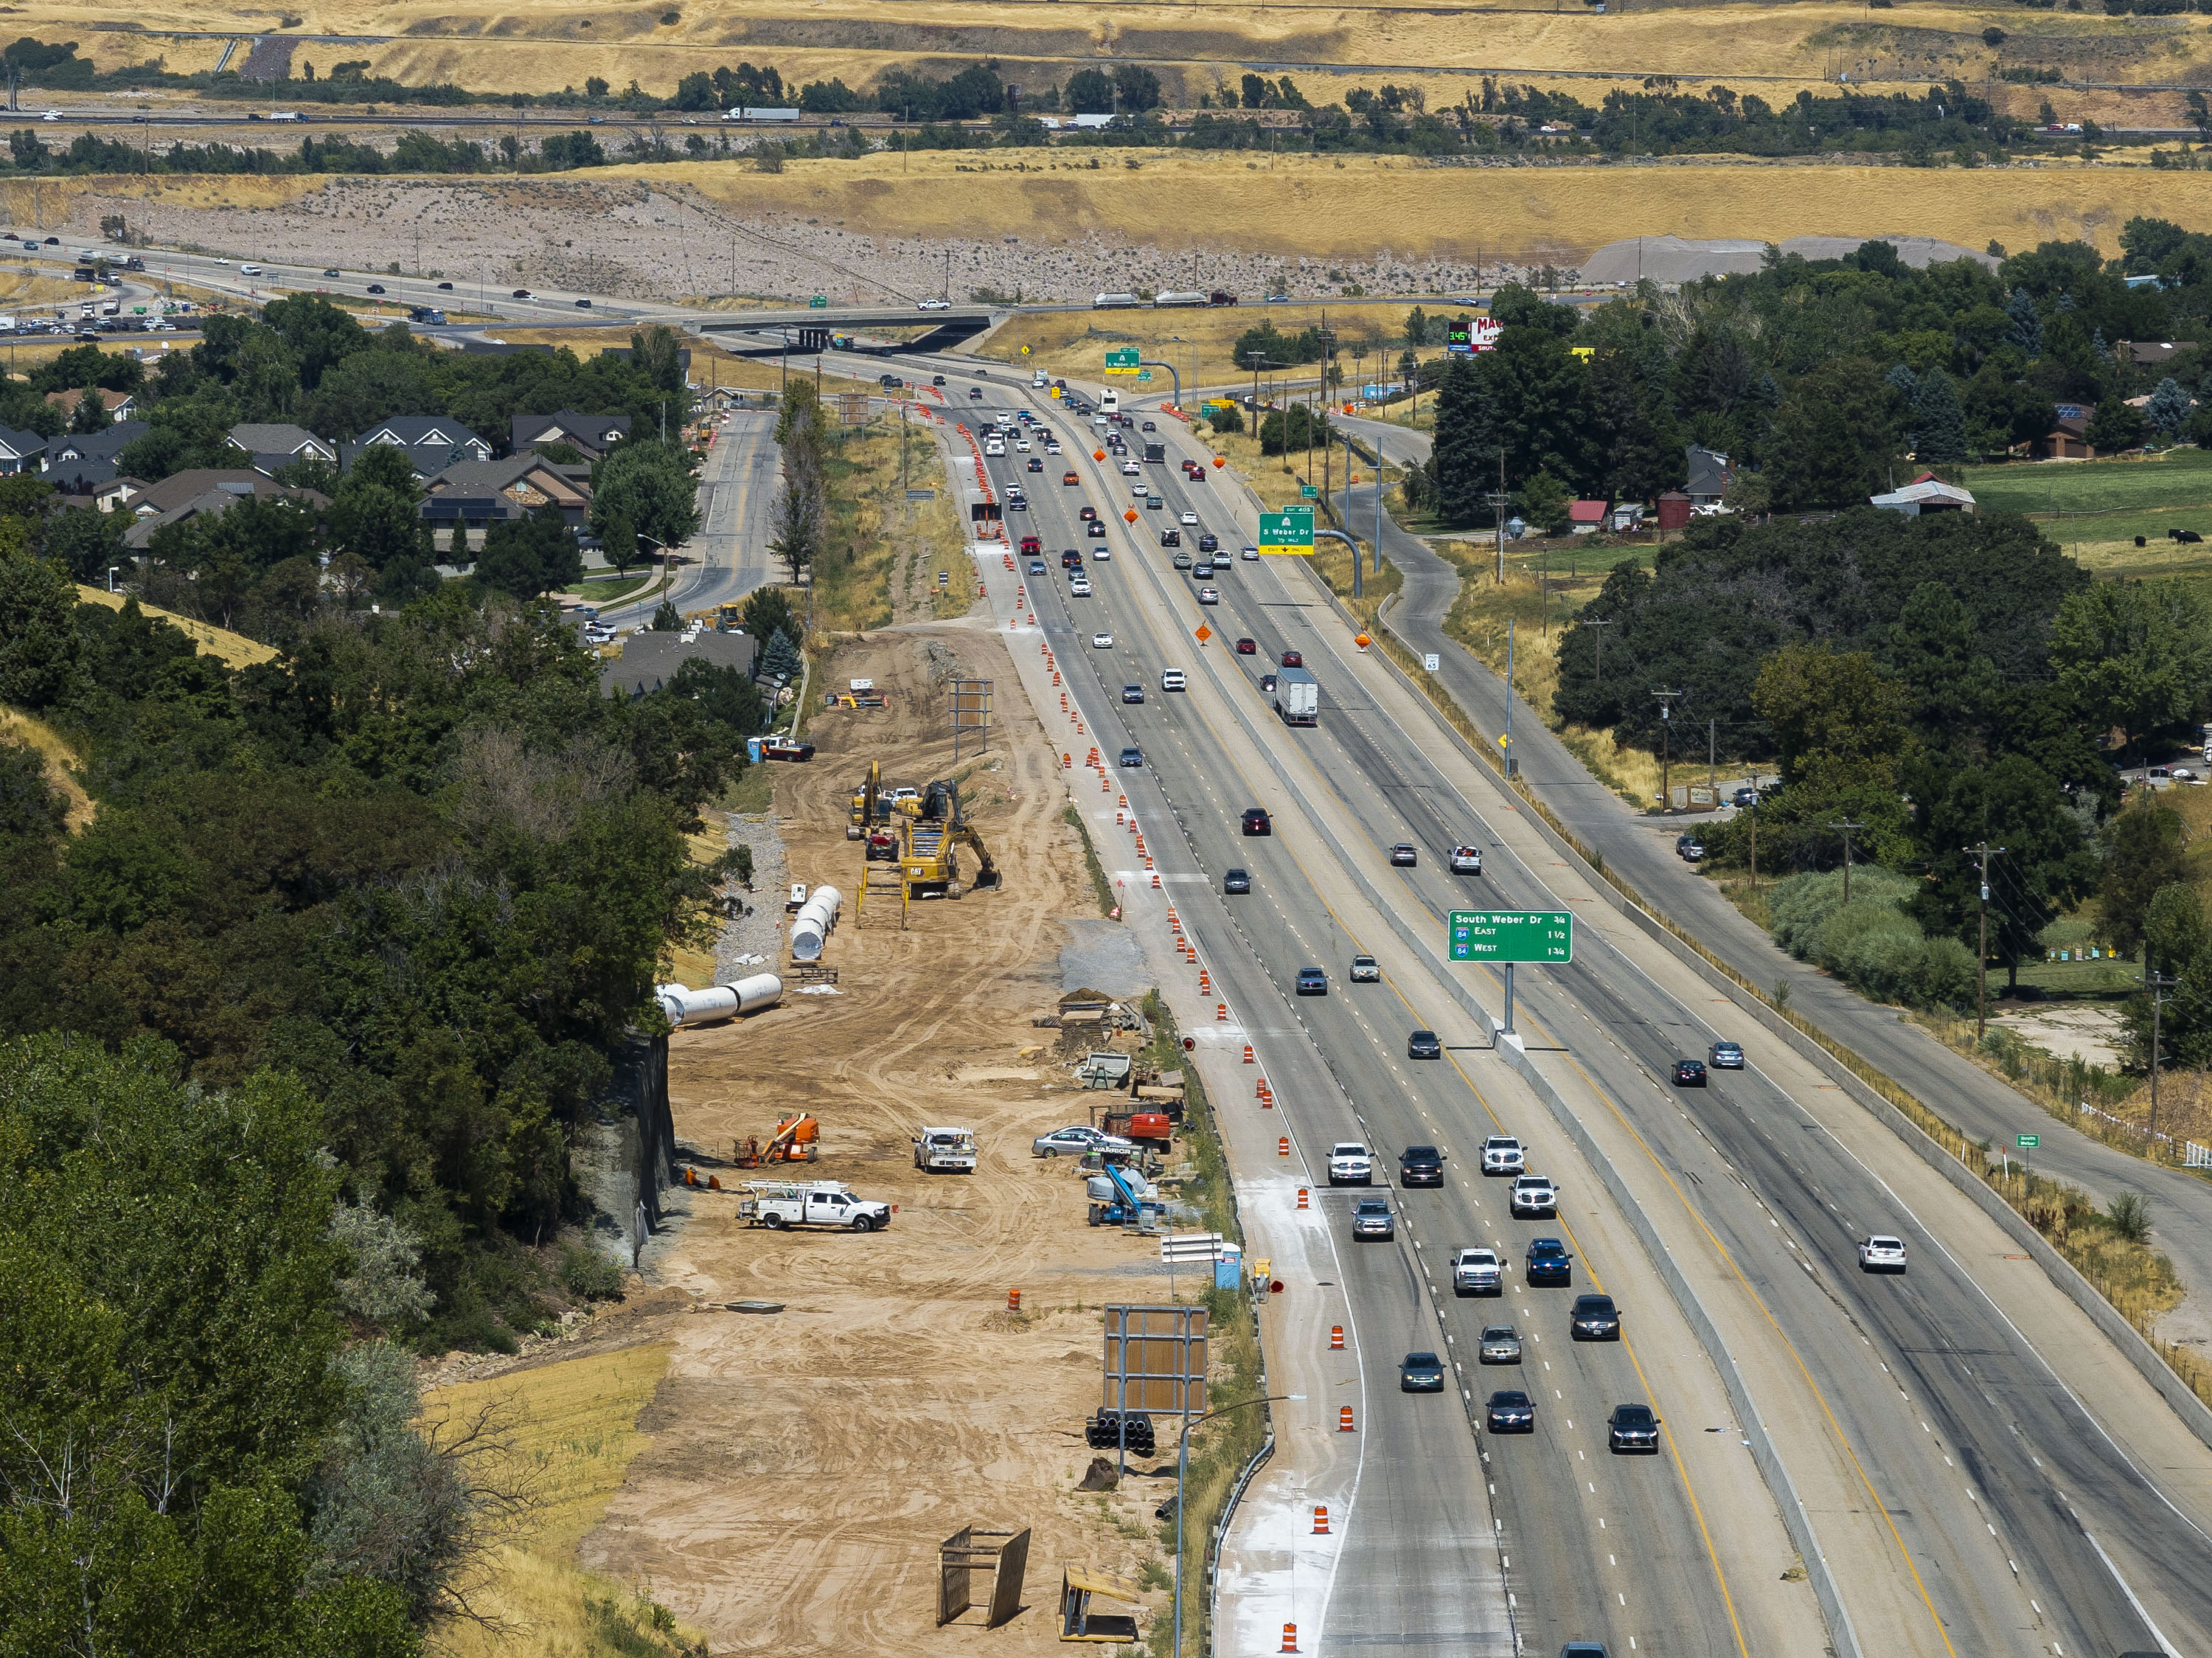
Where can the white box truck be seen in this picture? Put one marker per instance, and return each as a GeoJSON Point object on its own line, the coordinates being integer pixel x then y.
{"type": "Point", "coordinates": [1297, 697]}
{"type": "Point", "coordinates": [778, 1204]}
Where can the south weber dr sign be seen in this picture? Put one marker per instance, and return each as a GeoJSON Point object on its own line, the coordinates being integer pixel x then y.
{"type": "Point", "coordinates": [1539, 936]}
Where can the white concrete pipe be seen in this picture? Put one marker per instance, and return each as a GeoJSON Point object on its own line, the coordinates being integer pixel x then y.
{"type": "Point", "coordinates": [760, 990]}
{"type": "Point", "coordinates": [806, 937]}
{"type": "Point", "coordinates": [686, 1006]}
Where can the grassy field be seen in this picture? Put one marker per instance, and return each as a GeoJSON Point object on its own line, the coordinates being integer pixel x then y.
{"type": "Point", "coordinates": [2176, 478]}
{"type": "Point", "coordinates": [572, 1433]}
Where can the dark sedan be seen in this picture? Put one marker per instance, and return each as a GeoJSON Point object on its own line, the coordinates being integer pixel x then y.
{"type": "Point", "coordinates": [1509, 1410]}
{"type": "Point", "coordinates": [1421, 1373]}
{"type": "Point", "coordinates": [1595, 1319]}
{"type": "Point", "coordinates": [1424, 1045]}
{"type": "Point", "coordinates": [1247, 647]}
{"type": "Point", "coordinates": [1631, 1429]}
{"type": "Point", "coordinates": [1255, 821]}
{"type": "Point", "coordinates": [1689, 1073]}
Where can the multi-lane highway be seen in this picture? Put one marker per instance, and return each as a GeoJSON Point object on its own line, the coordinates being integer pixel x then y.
{"type": "Point", "coordinates": [1993, 1511]}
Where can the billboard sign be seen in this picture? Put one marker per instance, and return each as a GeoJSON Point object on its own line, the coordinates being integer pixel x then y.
{"type": "Point", "coordinates": [1467, 335]}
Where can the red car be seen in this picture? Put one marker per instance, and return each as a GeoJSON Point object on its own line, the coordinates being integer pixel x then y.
{"type": "Point", "coordinates": [1246, 647]}
{"type": "Point", "coordinates": [1032, 545]}
{"type": "Point", "coordinates": [1292, 659]}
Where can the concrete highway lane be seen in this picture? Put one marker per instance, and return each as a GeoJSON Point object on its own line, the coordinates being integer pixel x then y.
{"type": "Point", "coordinates": [1945, 1344]}
{"type": "Point", "coordinates": [1626, 1561]}
{"type": "Point", "coordinates": [2014, 1477]}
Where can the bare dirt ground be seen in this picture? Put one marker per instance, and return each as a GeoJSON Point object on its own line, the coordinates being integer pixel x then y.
{"type": "Point", "coordinates": [805, 1466]}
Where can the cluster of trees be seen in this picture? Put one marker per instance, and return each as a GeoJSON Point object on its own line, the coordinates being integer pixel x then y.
{"type": "Point", "coordinates": [1935, 684]}
{"type": "Point", "coordinates": [1822, 380]}
{"type": "Point", "coordinates": [299, 1034]}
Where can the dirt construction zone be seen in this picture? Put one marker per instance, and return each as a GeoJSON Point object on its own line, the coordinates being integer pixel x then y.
{"type": "Point", "coordinates": [804, 1466]}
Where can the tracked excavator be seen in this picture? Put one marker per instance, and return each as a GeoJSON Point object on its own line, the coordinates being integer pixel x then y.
{"type": "Point", "coordinates": [928, 858]}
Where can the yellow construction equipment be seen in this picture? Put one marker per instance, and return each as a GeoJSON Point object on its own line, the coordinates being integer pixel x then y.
{"type": "Point", "coordinates": [928, 864]}
{"type": "Point", "coordinates": [870, 805]}
{"type": "Point", "coordinates": [793, 1142]}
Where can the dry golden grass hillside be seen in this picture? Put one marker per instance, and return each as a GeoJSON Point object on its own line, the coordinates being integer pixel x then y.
{"type": "Point", "coordinates": [1325, 210]}
{"type": "Point", "coordinates": [542, 45]}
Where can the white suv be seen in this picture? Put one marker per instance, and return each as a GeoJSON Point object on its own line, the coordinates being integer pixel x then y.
{"type": "Point", "coordinates": [1534, 1194]}
{"type": "Point", "coordinates": [1881, 1254]}
{"type": "Point", "coordinates": [1171, 679]}
{"type": "Point", "coordinates": [1476, 1272]}
{"type": "Point", "coordinates": [1349, 1164]}
{"type": "Point", "coordinates": [1501, 1154]}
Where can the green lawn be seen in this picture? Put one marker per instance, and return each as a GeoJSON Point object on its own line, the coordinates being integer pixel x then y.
{"type": "Point", "coordinates": [2177, 477]}
{"type": "Point", "coordinates": [606, 589]}
{"type": "Point", "coordinates": [2104, 980]}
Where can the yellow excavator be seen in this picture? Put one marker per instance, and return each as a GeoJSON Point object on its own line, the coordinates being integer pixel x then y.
{"type": "Point", "coordinates": [872, 804]}
{"type": "Point", "coordinates": [930, 862]}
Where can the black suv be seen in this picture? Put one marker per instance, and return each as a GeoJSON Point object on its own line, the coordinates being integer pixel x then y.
{"type": "Point", "coordinates": [1255, 821]}
{"type": "Point", "coordinates": [1236, 880]}
{"type": "Point", "coordinates": [1420, 1166]}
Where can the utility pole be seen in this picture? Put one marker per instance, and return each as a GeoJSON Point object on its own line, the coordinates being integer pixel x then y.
{"type": "Point", "coordinates": [1591, 621]}
{"type": "Point", "coordinates": [1849, 827]}
{"type": "Point", "coordinates": [1981, 942]}
{"type": "Point", "coordinates": [1508, 697]}
{"type": "Point", "coordinates": [1497, 511]}
{"type": "Point", "coordinates": [1754, 839]}
{"type": "Point", "coordinates": [1666, 700]}
{"type": "Point", "coordinates": [1712, 774]}
{"type": "Point", "coordinates": [2160, 984]}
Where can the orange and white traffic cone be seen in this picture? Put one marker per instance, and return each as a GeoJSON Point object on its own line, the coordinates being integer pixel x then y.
{"type": "Point", "coordinates": [1336, 1339]}
{"type": "Point", "coordinates": [1321, 1519]}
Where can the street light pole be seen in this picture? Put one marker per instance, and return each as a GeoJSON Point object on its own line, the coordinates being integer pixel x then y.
{"type": "Point", "coordinates": [1183, 1467]}
{"type": "Point", "coordinates": [1667, 699]}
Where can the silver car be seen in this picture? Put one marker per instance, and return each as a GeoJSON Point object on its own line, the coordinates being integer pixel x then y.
{"type": "Point", "coordinates": [1077, 1141]}
{"type": "Point", "coordinates": [1501, 1345]}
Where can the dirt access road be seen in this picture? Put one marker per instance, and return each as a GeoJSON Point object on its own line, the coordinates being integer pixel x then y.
{"type": "Point", "coordinates": [805, 1466]}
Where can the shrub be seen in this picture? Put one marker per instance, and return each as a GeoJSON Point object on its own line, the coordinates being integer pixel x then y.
{"type": "Point", "coordinates": [586, 1273]}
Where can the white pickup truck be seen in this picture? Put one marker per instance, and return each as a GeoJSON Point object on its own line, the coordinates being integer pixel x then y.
{"type": "Point", "coordinates": [945, 1151]}
{"type": "Point", "coordinates": [1476, 1272]}
{"type": "Point", "coordinates": [778, 1204]}
{"type": "Point", "coordinates": [1349, 1164]}
{"type": "Point", "coordinates": [1534, 1194]}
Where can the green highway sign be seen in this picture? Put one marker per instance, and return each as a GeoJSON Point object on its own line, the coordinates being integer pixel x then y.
{"type": "Point", "coordinates": [1308, 491]}
{"type": "Point", "coordinates": [1122, 359]}
{"type": "Point", "coordinates": [2027, 1141]}
{"type": "Point", "coordinates": [819, 302]}
{"type": "Point", "coordinates": [1144, 374]}
{"type": "Point", "coordinates": [1511, 935]}
{"type": "Point", "coordinates": [1287, 530]}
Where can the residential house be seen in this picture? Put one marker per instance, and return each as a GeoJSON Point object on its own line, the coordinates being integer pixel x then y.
{"type": "Point", "coordinates": [2150, 354]}
{"type": "Point", "coordinates": [202, 490]}
{"type": "Point", "coordinates": [1924, 494]}
{"type": "Point", "coordinates": [1709, 476]}
{"type": "Point", "coordinates": [80, 462]}
{"type": "Point", "coordinates": [590, 436]}
{"type": "Point", "coordinates": [649, 660]}
{"type": "Point", "coordinates": [2068, 439]}
{"type": "Point", "coordinates": [1586, 517]}
{"type": "Point", "coordinates": [20, 452]}
{"type": "Point", "coordinates": [121, 405]}
{"type": "Point", "coordinates": [471, 495]}
{"type": "Point", "coordinates": [271, 448]}
{"type": "Point", "coordinates": [432, 443]}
